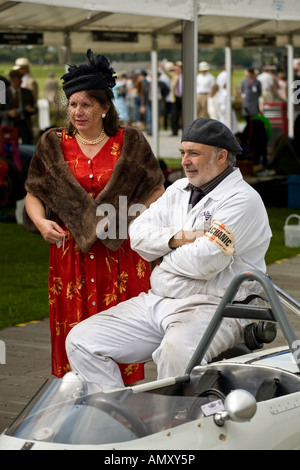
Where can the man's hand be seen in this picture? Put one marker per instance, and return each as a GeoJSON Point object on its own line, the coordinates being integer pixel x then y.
{"type": "Point", "coordinates": [185, 237]}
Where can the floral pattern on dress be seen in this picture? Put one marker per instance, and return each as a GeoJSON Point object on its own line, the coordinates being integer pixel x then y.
{"type": "Point", "coordinates": [83, 284]}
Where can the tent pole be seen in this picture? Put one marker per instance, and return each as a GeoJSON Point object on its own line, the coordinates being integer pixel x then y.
{"type": "Point", "coordinates": [189, 69]}
{"type": "Point", "coordinates": [154, 97]}
{"type": "Point", "coordinates": [228, 66]}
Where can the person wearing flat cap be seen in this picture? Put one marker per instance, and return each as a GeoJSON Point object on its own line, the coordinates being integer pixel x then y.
{"type": "Point", "coordinates": [205, 229]}
{"type": "Point", "coordinates": [79, 173]}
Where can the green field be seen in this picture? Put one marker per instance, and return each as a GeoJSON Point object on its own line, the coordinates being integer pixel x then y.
{"type": "Point", "coordinates": [39, 72]}
{"type": "Point", "coordinates": [24, 268]}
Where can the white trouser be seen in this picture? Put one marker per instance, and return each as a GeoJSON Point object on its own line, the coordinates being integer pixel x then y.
{"type": "Point", "coordinates": [145, 327]}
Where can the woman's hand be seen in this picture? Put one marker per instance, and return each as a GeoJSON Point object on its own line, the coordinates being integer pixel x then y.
{"type": "Point", "coordinates": [50, 231]}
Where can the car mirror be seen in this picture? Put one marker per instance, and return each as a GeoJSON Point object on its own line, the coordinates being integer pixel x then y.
{"type": "Point", "coordinates": [240, 406]}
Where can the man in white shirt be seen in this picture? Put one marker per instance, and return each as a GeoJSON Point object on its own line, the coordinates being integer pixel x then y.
{"type": "Point", "coordinates": [268, 86]}
{"type": "Point", "coordinates": [204, 83]}
{"type": "Point", "coordinates": [204, 229]}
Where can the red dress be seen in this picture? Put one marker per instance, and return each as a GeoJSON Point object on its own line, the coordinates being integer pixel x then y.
{"type": "Point", "coordinates": [83, 284]}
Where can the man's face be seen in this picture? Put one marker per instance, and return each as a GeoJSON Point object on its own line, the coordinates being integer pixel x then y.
{"type": "Point", "coordinates": [23, 70]}
{"type": "Point", "coordinates": [202, 163]}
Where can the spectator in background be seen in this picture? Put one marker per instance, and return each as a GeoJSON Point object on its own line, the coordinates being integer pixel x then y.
{"type": "Point", "coordinates": [130, 97]}
{"type": "Point", "coordinates": [282, 86]}
{"type": "Point", "coordinates": [19, 108]}
{"type": "Point", "coordinates": [162, 91]}
{"type": "Point", "coordinates": [28, 81]}
{"type": "Point", "coordinates": [120, 92]}
{"type": "Point", "coordinates": [268, 86]}
{"type": "Point", "coordinates": [213, 105]}
{"type": "Point", "coordinates": [251, 91]}
{"type": "Point", "coordinates": [175, 75]}
{"type": "Point", "coordinates": [142, 97]}
{"type": "Point", "coordinates": [222, 100]}
{"type": "Point", "coordinates": [204, 84]}
{"type": "Point", "coordinates": [51, 89]}
{"type": "Point", "coordinates": [164, 78]}
{"type": "Point", "coordinates": [222, 78]}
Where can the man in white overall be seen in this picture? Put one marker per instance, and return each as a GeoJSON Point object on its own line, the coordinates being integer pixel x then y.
{"type": "Point", "coordinates": [201, 246]}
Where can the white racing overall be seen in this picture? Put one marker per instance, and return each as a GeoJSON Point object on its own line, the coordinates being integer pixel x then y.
{"type": "Point", "coordinates": [167, 323]}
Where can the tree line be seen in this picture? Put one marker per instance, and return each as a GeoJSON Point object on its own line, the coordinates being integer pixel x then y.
{"type": "Point", "coordinates": [244, 58]}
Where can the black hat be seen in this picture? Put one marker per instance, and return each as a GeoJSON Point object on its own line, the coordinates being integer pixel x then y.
{"type": "Point", "coordinates": [211, 132]}
{"type": "Point", "coordinates": [97, 74]}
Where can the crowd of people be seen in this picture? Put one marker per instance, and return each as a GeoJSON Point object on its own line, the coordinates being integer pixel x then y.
{"type": "Point", "coordinates": [20, 108]}
{"type": "Point", "coordinates": [133, 95]}
{"type": "Point", "coordinates": [133, 98]}
{"type": "Point", "coordinates": [23, 107]}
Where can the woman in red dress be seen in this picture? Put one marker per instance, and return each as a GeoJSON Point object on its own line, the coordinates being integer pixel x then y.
{"type": "Point", "coordinates": [89, 279]}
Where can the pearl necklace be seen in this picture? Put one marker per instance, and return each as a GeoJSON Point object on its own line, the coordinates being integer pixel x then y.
{"type": "Point", "coordinates": [90, 142]}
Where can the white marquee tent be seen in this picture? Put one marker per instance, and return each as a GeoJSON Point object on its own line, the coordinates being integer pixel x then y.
{"type": "Point", "coordinates": [116, 26]}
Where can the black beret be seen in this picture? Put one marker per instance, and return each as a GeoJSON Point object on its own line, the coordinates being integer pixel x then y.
{"type": "Point", "coordinates": [211, 132]}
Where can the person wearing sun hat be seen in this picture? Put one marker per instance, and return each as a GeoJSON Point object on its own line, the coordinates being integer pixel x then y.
{"type": "Point", "coordinates": [205, 229]}
{"type": "Point", "coordinates": [90, 164]}
{"type": "Point", "coordinates": [28, 81]}
{"type": "Point", "coordinates": [204, 83]}
{"type": "Point", "coordinates": [22, 64]}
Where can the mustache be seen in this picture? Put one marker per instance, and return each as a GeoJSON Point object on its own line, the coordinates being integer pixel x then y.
{"type": "Point", "coordinates": [189, 167]}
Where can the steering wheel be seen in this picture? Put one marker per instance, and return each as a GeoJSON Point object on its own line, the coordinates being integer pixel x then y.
{"type": "Point", "coordinates": [212, 394]}
{"type": "Point", "coordinates": [110, 406]}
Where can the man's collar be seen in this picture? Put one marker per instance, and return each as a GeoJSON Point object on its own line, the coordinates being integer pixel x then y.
{"type": "Point", "coordinates": [207, 187]}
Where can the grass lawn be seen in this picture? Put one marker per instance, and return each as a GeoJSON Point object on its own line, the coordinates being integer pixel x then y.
{"type": "Point", "coordinates": [24, 268]}
{"type": "Point", "coordinates": [23, 275]}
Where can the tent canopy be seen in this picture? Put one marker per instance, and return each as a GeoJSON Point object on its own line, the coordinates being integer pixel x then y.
{"type": "Point", "coordinates": [127, 26]}
{"type": "Point", "coordinates": [118, 26]}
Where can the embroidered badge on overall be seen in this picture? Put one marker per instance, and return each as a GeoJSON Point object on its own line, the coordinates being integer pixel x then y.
{"type": "Point", "coordinates": [221, 236]}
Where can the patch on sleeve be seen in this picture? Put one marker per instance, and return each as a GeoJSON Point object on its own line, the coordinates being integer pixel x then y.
{"type": "Point", "coordinates": [221, 236]}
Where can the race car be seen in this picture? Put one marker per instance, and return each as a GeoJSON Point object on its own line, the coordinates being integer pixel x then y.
{"type": "Point", "coordinates": [242, 400]}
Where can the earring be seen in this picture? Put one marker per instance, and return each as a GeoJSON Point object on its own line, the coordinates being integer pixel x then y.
{"type": "Point", "coordinates": [104, 115]}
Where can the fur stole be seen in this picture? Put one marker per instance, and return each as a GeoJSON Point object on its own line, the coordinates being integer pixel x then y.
{"type": "Point", "coordinates": [136, 175]}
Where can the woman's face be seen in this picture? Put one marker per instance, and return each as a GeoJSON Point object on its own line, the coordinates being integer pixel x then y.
{"type": "Point", "coordinates": [85, 112]}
